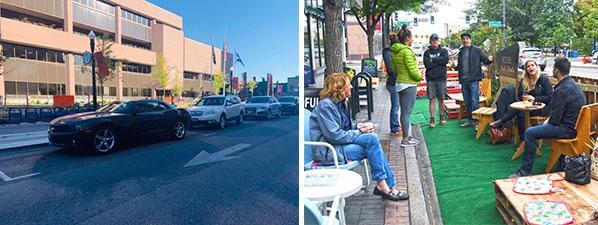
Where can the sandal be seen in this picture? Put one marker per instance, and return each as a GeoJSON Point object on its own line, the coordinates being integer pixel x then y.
{"type": "Point", "coordinates": [401, 195]}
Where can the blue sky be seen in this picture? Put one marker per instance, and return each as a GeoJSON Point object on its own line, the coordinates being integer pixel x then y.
{"type": "Point", "coordinates": [264, 32]}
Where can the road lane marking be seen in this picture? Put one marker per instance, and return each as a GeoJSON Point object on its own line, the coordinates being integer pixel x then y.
{"type": "Point", "coordinates": [203, 157]}
{"type": "Point", "coordinates": [7, 178]}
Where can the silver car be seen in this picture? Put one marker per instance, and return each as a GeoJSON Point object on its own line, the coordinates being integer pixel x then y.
{"type": "Point", "coordinates": [217, 110]}
{"type": "Point", "coordinates": [532, 53]}
{"type": "Point", "coordinates": [263, 106]}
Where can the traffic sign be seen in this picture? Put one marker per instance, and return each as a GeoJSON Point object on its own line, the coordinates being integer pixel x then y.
{"type": "Point", "coordinates": [495, 23]}
{"type": "Point", "coordinates": [87, 57]}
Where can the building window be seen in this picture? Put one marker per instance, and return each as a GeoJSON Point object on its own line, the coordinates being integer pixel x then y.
{"type": "Point", "coordinates": [136, 68]}
{"type": "Point", "coordinates": [125, 92]}
{"type": "Point", "coordinates": [10, 87]}
{"type": "Point", "coordinates": [134, 92]}
{"type": "Point", "coordinates": [48, 23]}
{"type": "Point", "coordinates": [191, 75]}
{"type": "Point", "coordinates": [32, 53]}
{"type": "Point", "coordinates": [207, 77]}
{"type": "Point", "coordinates": [136, 44]}
{"type": "Point", "coordinates": [112, 91]}
{"type": "Point", "coordinates": [147, 92]}
{"type": "Point", "coordinates": [32, 88]}
{"type": "Point", "coordinates": [127, 15]}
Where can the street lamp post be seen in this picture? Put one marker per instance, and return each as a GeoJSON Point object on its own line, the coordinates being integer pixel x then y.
{"type": "Point", "coordinates": [92, 38]}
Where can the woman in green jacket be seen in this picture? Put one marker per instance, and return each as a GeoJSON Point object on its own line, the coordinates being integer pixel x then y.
{"type": "Point", "coordinates": [408, 76]}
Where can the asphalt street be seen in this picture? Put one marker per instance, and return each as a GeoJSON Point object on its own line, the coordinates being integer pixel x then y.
{"type": "Point", "coordinates": [248, 174]}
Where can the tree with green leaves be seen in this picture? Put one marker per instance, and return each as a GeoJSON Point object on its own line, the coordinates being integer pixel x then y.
{"type": "Point", "coordinates": [218, 83]}
{"type": "Point", "coordinates": [162, 73]}
{"type": "Point", "coordinates": [372, 10]}
{"type": "Point", "coordinates": [252, 85]}
{"type": "Point", "coordinates": [585, 25]}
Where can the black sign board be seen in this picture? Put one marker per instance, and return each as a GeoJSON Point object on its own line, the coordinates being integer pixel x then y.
{"type": "Point", "coordinates": [507, 61]}
{"type": "Point", "coordinates": [370, 66]}
{"type": "Point", "coordinates": [311, 98]}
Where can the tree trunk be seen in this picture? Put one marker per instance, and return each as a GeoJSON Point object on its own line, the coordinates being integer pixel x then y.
{"type": "Point", "coordinates": [385, 30]}
{"type": "Point", "coordinates": [370, 34]}
{"type": "Point", "coordinates": [333, 36]}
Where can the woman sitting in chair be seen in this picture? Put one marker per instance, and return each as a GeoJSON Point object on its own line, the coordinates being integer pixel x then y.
{"type": "Point", "coordinates": [534, 87]}
{"type": "Point", "coordinates": [330, 122]}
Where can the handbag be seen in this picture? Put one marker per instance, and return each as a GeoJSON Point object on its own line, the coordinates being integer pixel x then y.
{"type": "Point", "coordinates": [578, 168]}
{"type": "Point", "coordinates": [500, 135]}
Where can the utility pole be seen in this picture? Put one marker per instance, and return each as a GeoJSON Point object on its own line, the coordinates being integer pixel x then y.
{"type": "Point", "coordinates": [504, 25]}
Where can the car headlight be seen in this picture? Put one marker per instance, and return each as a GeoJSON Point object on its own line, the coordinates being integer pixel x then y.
{"type": "Point", "coordinates": [210, 113]}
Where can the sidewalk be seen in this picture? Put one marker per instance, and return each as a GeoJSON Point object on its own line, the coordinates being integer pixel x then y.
{"type": "Point", "coordinates": [411, 167]}
{"type": "Point", "coordinates": [23, 135]}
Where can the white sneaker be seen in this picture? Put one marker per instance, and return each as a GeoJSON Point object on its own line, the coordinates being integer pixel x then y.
{"type": "Point", "coordinates": [410, 142]}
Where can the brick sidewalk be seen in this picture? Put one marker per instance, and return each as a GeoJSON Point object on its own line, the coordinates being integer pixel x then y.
{"type": "Point", "coordinates": [412, 172]}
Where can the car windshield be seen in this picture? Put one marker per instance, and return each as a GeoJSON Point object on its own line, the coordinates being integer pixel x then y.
{"type": "Point", "coordinates": [117, 107]}
{"type": "Point", "coordinates": [210, 101]}
{"type": "Point", "coordinates": [259, 100]}
{"type": "Point", "coordinates": [287, 99]}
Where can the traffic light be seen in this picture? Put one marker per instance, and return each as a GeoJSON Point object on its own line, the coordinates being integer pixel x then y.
{"type": "Point", "coordinates": [432, 19]}
{"type": "Point", "coordinates": [415, 21]}
{"type": "Point", "coordinates": [467, 19]}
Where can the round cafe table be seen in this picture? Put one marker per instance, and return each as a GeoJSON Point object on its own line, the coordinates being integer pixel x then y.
{"type": "Point", "coordinates": [526, 107]}
{"type": "Point", "coordinates": [324, 184]}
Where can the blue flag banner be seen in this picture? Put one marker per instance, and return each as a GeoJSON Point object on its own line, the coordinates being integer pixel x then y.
{"type": "Point", "coordinates": [239, 59]}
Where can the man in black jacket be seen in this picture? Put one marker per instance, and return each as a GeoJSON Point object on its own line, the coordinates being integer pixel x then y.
{"type": "Point", "coordinates": [469, 65]}
{"type": "Point", "coordinates": [435, 60]}
{"type": "Point", "coordinates": [563, 110]}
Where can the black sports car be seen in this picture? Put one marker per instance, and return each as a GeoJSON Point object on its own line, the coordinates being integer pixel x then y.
{"type": "Point", "coordinates": [105, 128]}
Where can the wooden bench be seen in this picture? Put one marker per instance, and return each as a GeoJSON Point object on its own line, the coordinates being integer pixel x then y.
{"type": "Point", "coordinates": [485, 116]}
{"type": "Point", "coordinates": [582, 200]}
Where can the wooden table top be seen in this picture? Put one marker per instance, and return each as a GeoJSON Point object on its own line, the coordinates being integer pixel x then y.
{"type": "Point", "coordinates": [582, 200]}
{"type": "Point", "coordinates": [526, 106]}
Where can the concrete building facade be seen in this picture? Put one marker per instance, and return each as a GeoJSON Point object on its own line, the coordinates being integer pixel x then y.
{"type": "Point", "coordinates": [44, 40]}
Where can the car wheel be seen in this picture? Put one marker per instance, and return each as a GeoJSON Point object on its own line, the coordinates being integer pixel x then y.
{"type": "Point", "coordinates": [222, 122]}
{"type": "Point", "coordinates": [268, 115]}
{"type": "Point", "coordinates": [104, 140]}
{"type": "Point", "coordinates": [179, 130]}
{"type": "Point", "coordinates": [240, 118]}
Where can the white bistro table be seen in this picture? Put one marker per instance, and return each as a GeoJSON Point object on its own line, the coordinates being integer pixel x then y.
{"type": "Point", "coordinates": [324, 184]}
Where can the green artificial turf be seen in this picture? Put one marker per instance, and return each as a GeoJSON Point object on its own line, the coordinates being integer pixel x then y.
{"type": "Point", "coordinates": [464, 169]}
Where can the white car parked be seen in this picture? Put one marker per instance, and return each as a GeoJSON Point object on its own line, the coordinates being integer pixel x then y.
{"type": "Point", "coordinates": [217, 110]}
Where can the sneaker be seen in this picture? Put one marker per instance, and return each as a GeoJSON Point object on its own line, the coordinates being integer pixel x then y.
{"type": "Point", "coordinates": [410, 142]}
{"type": "Point", "coordinates": [467, 124]}
{"type": "Point", "coordinates": [442, 120]}
{"type": "Point", "coordinates": [518, 174]}
{"type": "Point", "coordinates": [432, 122]}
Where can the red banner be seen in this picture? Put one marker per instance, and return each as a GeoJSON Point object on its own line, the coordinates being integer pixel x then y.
{"type": "Point", "coordinates": [280, 88]}
{"type": "Point", "coordinates": [102, 65]}
{"type": "Point", "coordinates": [269, 79]}
{"type": "Point", "coordinates": [235, 83]}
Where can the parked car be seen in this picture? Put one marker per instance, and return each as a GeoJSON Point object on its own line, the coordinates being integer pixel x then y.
{"type": "Point", "coordinates": [289, 104]}
{"type": "Point", "coordinates": [419, 49]}
{"type": "Point", "coordinates": [104, 129]}
{"type": "Point", "coordinates": [263, 106]}
{"type": "Point", "coordinates": [217, 110]}
{"type": "Point", "coordinates": [532, 53]}
{"type": "Point", "coordinates": [595, 57]}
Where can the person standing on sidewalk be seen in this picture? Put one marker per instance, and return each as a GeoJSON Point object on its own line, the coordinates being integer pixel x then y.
{"type": "Point", "coordinates": [330, 122]}
{"type": "Point", "coordinates": [469, 65]}
{"type": "Point", "coordinates": [408, 76]}
{"type": "Point", "coordinates": [435, 60]}
{"type": "Point", "coordinates": [391, 82]}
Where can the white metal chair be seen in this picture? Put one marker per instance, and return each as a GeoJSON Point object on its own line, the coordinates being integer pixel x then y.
{"type": "Point", "coordinates": [308, 157]}
{"type": "Point", "coordinates": [312, 215]}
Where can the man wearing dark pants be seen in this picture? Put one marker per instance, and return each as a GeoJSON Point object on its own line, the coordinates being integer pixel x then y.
{"type": "Point", "coordinates": [469, 65]}
{"type": "Point", "coordinates": [563, 110]}
{"type": "Point", "coordinates": [435, 60]}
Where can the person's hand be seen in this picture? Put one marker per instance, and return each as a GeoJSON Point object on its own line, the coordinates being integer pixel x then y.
{"type": "Point", "coordinates": [490, 58]}
{"type": "Point", "coordinates": [531, 98]}
{"type": "Point", "coordinates": [366, 129]}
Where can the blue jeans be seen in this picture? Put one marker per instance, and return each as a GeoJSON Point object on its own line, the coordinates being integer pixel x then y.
{"type": "Point", "coordinates": [471, 96]}
{"type": "Point", "coordinates": [394, 108]}
{"type": "Point", "coordinates": [367, 146]}
{"type": "Point", "coordinates": [544, 131]}
{"type": "Point", "coordinates": [407, 100]}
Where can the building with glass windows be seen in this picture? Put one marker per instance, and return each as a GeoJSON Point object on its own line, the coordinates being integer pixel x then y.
{"type": "Point", "coordinates": [44, 40]}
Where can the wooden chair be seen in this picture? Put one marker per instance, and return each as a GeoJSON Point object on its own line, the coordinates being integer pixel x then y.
{"type": "Point", "coordinates": [485, 116]}
{"type": "Point", "coordinates": [588, 118]}
{"type": "Point", "coordinates": [486, 93]}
